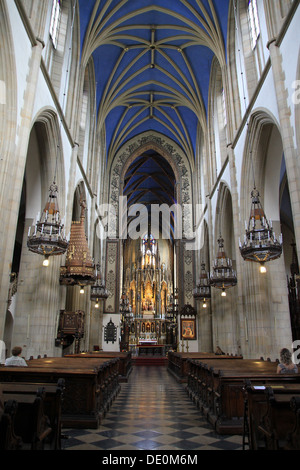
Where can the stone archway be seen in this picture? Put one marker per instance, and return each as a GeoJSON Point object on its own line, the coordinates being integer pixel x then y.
{"type": "Point", "coordinates": [182, 169]}
{"type": "Point", "coordinates": [170, 151]}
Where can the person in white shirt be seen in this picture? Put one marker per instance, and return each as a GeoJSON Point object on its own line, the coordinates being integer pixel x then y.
{"type": "Point", "coordinates": [16, 359]}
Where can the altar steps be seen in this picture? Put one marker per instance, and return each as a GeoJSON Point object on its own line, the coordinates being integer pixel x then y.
{"type": "Point", "coordinates": [149, 361]}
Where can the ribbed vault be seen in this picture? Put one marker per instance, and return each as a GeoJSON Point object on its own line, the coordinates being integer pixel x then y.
{"type": "Point", "coordinates": [152, 64]}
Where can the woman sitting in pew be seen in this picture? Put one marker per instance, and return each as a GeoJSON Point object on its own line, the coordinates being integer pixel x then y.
{"type": "Point", "coordinates": [16, 359]}
{"type": "Point", "coordinates": [286, 365]}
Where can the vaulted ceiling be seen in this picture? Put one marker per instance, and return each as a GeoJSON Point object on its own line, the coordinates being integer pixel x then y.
{"type": "Point", "coordinates": [152, 63]}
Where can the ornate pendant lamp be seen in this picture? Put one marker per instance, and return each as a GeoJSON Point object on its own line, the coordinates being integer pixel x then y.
{"type": "Point", "coordinates": [98, 290]}
{"type": "Point", "coordinates": [202, 289]}
{"type": "Point", "coordinates": [222, 276]}
{"type": "Point", "coordinates": [79, 268]}
{"type": "Point", "coordinates": [260, 243]}
{"type": "Point", "coordinates": [48, 237]}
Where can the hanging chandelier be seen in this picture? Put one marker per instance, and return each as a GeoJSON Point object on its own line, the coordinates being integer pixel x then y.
{"type": "Point", "coordinates": [79, 268]}
{"type": "Point", "coordinates": [98, 290]}
{"type": "Point", "coordinates": [202, 289]}
{"type": "Point", "coordinates": [48, 237]}
{"type": "Point", "coordinates": [222, 276]}
{"type": "Point", "coordinates": [260, 243]}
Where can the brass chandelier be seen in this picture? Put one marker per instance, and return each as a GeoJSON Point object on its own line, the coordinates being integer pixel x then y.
{"type": "Point", "coordinates": [223, 275]}
{"type": "Point", "coordinates": [202, 289]}
{"type": "Point", "coordinates": [260, 243]}
{"type": "Point", "coordinates": [98, 290]}
{"type": "Point", "coordinates": [48, 235]}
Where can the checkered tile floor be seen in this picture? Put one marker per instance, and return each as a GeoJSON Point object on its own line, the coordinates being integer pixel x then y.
{"type": "Point", "coordinates": [151, 412]}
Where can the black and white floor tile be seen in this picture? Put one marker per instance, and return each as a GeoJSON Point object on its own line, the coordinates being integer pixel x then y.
{"type": "Point", "coordinates": [151, 412]}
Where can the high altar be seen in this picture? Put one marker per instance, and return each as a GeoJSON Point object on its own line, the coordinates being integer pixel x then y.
{"type": "Point", "coordinates": [149, 286]}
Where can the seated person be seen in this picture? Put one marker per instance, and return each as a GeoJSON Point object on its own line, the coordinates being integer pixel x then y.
{"type": "Point", "coordinates": [286, 365]}
{"type": "Point", "coordinates": [16, 359]}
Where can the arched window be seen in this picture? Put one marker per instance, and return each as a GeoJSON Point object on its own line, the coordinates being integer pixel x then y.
{"type": "Point", "coordinates": [253, 22]}
{"type": "Point", "coordinates": [55, 20]}
{"type": "Point", "coordinates": [149, 245]}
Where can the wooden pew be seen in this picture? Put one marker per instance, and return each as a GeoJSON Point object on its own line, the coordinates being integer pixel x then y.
{"type": "Point", "coordinates": [29, 422]}
{"type": "Point", "coordinates": [271, 418]}
{"type": "Point", "coordinates": [179, 363]}
{"type": "Point", "coordinates": [8, 438]}
{"type": "Point", "coordinates": [52, 404]}
{"type": "Point", "coordinates": [101, 394]}
{"type": "Point", "coordinates": [90, 385]}
{"type": "Point", "coordinates": [125, 360]}
{"type": "Point", "coordinates": [220, 389]}
{"type": "Point", "coordinates": [293, 438]}
{"type": "Point", "coordinates": [107, 379]}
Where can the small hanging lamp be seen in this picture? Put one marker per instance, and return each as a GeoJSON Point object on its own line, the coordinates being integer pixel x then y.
{"type": "Point", "coordinates": [202, 289]}
{"type": "Point", "coordinates": [260, 244]}
{"type": "Point", "coordinates": [98, 290]}
{"type": "Point", "coordinates": [222, 276]}
{"type": "Point", "coordinates": [79, 268]}
{"type": "Point", "coordinates": [48, 236]}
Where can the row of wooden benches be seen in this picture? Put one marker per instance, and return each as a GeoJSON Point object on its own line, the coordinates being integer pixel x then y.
{"type": "Point", "coordinates": [30, 416]}
{"type": "Point", "coordinates": [178, 363]}
{"type": "Point", "coordinates": [90, 384]}
{"type": "Point", "coordinates": [272, 416]}
{"type": "Point", "coordinates": [247, 397]}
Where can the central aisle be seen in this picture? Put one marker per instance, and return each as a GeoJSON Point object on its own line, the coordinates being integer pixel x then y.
{"type": "Point", "coordinates": [151, 412]}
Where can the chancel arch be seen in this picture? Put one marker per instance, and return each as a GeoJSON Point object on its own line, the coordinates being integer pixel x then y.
{"type": "Point", "coordinates": [171, 187]}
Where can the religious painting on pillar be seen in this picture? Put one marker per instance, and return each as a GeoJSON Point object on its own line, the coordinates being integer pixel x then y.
{"type": "Point", "coordinates": [112, 276]}
{"type": "Point", "coordinates": [188, 328]}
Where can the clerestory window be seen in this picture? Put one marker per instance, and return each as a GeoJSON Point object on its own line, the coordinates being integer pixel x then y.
{"type": "Point", "coordinates": [55, 20]}
{"type": "Point", "coordinates": [253, 22]}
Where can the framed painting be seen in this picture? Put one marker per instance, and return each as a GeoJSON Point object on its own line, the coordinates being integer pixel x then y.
{"type": "Point", "coordinates": [188, 328]}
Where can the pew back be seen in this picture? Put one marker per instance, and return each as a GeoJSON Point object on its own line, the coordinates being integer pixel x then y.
{"type": "Point", "coordinates": [90, 385]}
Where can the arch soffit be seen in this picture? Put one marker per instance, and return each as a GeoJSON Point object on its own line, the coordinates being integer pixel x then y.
{"type": "Point", "coordinates": [223, 209]}
{"type": "Point", "coordinates": [48, 117]}
{"type": "Point", "coordinates": [259, 118]}
{"type": "Point", "coordinates": [224, 194]}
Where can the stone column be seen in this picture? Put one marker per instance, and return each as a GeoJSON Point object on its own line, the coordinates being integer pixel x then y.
{"type": "Point", "coordinates": [282, 328]}
{"type": "Point", "coordinates": [287, 133]}
{"type": "Point", "coordinates": [12, 186]}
